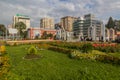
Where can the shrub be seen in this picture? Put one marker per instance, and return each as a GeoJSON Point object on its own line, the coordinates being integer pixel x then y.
{"type": "Point", "coordinates": [32, 50]}
{"type": "Point", "coordinates": [2, 49]}
{"type": "Point", "coordinates": [58, 49]}
{"type": "Point", "coordinates": [108, 59]}
{"type": "Point", "coordinates": [4, 66]}
{"type": "Point", "coordinates": [86, 48]}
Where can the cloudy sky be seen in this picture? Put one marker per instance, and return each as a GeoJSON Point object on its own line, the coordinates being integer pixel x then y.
{"type": "Point", "coordinates": [38, 9]}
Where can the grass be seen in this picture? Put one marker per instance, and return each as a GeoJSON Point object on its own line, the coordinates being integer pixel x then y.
{"type": "Point", "coordinates": [57, 66]}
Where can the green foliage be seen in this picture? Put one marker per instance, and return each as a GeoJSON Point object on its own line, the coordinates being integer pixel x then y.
{"type": "Point", "coordinates": [109, 59]}
{"type": "Point", "coordinates": [25, 34]}
{"type": "Point", "coordinates": [78, 55]}
{"type": "Point", "coordinates": [32, 50]}
{"type": "Point", "coordinates": [110, 23]}
{"type": "Point", "coordinates": [3, 30]}
{"type": "Point", "coordinates": [44, 36]}
{"type": "Point", "coordinates": [58, 49]}
{"type": "Point", "coordinates": [108, 49]}
{"type": "Point", "coordinates": [20, 27]}
{"type": "Point", "coordinates": [117, 25]}
{"type": "Point", "coordinates": [86, 48]}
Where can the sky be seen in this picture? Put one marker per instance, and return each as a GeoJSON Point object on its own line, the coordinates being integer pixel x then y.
{"type": "Point", "coordinates": [37, 9]}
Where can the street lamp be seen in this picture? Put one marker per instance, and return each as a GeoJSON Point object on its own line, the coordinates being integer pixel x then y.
{"type": "Point", "coordinates": [6, 33]}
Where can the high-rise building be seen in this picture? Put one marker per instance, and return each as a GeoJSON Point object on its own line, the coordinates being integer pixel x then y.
{"type": "Point", "coordinates": [47, 23]}
{"type": "Point", "coordinates": [92, 27]}
{"type": "Point", "coordinates": [89, 28]}
{"type": "Point", "coordinates": [78, 27]}
{"type": "Point", "coordinates": [21, 18]}
{"type": "Point", "coordinates": [67, 23]}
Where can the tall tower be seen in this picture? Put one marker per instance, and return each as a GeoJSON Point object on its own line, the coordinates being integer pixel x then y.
{"type": "Point", "coordinates": [67, 23]}
{"type": "Point", "coordinates": [47, 23]}
{"type": "Point", "coordinates": [92, 27]}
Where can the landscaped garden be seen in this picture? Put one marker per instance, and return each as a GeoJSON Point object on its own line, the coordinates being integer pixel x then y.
{"type": "Point", "coordinates": [79, 61]}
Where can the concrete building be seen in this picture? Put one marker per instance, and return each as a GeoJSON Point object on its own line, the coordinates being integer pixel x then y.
{"type": "Point", "coordinates": [12, 34]}
{"type": "Point", "coordinates": [38, 32]}
{"type": "Point", "coordinates": [78, 27]}
{"type": "Point", "coordinates": [92, 28]}
{"type": "Point", "coordinates": [21, 18]}
{"type": "Point", "coordinates": [47, 23]}
{"type": "Point", "coordinates": [67, 23]}
{"type": "Point", "coordinates": [110, 34]}
{"type": "Point", "coordinates": [89, 28]}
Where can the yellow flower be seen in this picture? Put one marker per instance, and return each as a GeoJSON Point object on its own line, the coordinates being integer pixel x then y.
{"type": "Point", "coordinates": [2, 49]}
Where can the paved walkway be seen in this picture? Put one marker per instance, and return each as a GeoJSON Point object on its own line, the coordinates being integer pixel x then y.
{"type": "Point", "coordinates": [27, 41]}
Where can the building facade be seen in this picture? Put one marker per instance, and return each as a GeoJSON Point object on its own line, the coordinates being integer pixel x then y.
{"type": "Point", "coordinates": [110, 34]}
{"type": "Point", "coordinates": [67, 23]}
{"type": "Point", "coordinates": [38, 32]}
{"type": "Point", "coordinates": [47, 23]}
{"type": "Point", "coordinates": [78, 27]}
{"type": "Point", "coordinates": [21, 18]}
{"type": "Point", "coordinates": [93, 28]}
{"type": "Point", "coordinates": [89, 28]}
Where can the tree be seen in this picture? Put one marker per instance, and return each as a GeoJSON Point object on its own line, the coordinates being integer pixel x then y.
{"type": "Point", "coordinates": [110, 23]}
{"type": "Point", "coordinates": [20, 26]}
{"type": "Point", "coordinates": [117, 25]}
{"type": "Point", "coordinates": [50, 35]}
{"type": "Point", "coordinates": [44, 36]}
{"type": "Point", "coordinates": [2, 30]}
{"type": "Point", "coordinates": [25, 34]}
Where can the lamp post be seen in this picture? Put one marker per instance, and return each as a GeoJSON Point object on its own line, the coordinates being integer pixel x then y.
{"type": "Point", "coordinates": [6, 33]}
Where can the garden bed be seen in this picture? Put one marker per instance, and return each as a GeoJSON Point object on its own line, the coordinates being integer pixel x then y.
{"type": "Point", "coordinates": [31, 56]}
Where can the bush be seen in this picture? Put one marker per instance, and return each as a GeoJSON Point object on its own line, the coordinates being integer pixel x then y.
{"type": "Point", "coordinates": [32, 50]}
{"type": "Point", "coordinates": [108, 59]}
{"type": "Point", "coordinates": [58, 49]}
{"type": "Point", "coordinates": [4, 66]}
{"type": "Point", "coordinates": [86, 48]}
{"type": "Point", "coordinates": [2, 49]}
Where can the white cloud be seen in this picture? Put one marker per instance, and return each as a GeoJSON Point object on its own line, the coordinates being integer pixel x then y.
{"type": "Point", "coordinates": [37, 9]}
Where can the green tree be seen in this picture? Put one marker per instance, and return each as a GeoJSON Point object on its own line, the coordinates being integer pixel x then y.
{"type": "Point", "coordinates": [44, 36]}
{"type": "Point", "coordinates": [110, 23]}
{"type": "Point", "coordinates": [20, 26]}
{"type": "Point", "coordinates": [25, 34]}
{"type": "Point", "coordinates": [117, 25]}
{"type": "Point", "coordinates": [2, 30]}
{"type": "Point", "coordinates": [50, 35]}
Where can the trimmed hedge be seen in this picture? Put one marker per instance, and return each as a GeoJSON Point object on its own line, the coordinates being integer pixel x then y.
{"type": "Point", "coordinates": [108, 59]}
{"type": "Point", "coordinates": [58, 49]}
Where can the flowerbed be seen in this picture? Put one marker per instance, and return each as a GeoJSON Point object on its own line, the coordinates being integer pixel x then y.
{"type": "Point", "coordinates": [102, 57]}
{"type": "Point", "coordinates": [108, 48]}
{"type": "Point", "coordinates": [4, 66]}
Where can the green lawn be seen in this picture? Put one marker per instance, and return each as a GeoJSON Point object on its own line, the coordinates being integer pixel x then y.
{"type": "Point", "coordinates": [57, 66]}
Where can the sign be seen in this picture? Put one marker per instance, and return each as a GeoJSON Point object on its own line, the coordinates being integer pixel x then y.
{"type": "Point", "coordinates": [12, 31]}
{"type": "Point", "coordinates": [22, 15]}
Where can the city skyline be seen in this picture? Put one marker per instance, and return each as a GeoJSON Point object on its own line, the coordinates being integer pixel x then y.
{"type": "Point", "coordinates": [38, 9]}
